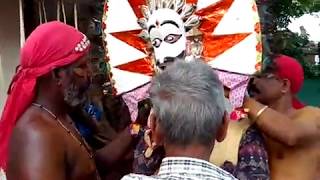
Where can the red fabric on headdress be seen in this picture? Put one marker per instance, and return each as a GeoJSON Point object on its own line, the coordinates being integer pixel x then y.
{"type": "Point", "coordinates": [289, 68]}
{"type": "Point", "coordinates": [49, 46]}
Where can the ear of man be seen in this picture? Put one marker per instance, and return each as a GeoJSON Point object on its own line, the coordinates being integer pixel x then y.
{"type": "Point", "coordinates": [222, 130]}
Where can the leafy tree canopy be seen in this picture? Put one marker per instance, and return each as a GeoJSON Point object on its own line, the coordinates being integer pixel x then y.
{"type": "Point", "coordinates": [277, 15]}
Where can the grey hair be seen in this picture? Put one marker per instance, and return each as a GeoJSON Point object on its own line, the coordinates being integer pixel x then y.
{"type": "Point", "coordinates": [188, 101]}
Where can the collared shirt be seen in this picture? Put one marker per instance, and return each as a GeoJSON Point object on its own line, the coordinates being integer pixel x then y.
{"type": "Point", "coordinates": [175, 168]}
{"type": "Point", "coordinates": [252, 162]}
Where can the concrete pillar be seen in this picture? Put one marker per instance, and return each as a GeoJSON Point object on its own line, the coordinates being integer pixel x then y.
{"type": "Point", "coordinates": [9, 45]}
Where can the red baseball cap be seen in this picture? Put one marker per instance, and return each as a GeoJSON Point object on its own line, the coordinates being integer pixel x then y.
{"type": "Point", "coordinates": [289, 68]}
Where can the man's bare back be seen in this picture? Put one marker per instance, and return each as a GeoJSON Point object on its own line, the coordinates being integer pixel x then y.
{"type": "Point", "coordinates": [40, 149]}
{"type": "Point", "coordinates": [296, 162]}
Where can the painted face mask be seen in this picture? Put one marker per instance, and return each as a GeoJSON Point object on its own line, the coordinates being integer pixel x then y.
{"type": "Point", "coordinates": [165, 24]}
{"type": "Point", "coordinates": [153, 33]}
{"type": "Point", "coordinates": [167, 35]}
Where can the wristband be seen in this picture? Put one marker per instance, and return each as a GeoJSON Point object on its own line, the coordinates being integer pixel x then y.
{"type": "Point", "coordinates": [260, 112]}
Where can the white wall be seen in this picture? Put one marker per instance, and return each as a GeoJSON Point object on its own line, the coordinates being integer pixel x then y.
{"type": "Point", "coordinates": [9, 45]}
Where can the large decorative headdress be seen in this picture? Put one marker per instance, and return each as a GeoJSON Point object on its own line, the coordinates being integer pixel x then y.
{"type": "Point", "coordinates": [165, 24]}
{"type": "Point", "coordinates": [143, 36]}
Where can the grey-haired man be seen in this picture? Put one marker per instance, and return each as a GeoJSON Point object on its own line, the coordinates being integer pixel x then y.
{"type": "Point", "coordinates": [188, 115]}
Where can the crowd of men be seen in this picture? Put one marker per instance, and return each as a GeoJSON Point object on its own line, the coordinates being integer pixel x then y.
{"type": "Point", "coordinates": [41, 135]}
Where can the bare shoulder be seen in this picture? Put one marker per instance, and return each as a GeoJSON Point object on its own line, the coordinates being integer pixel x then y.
{"type": "Point", "coordinates": [35, 125]}
{"type": "Point", "coordinates": [34, 132]}
{"type": "Point", "coordinates": [311, 109]}
{"type": "Point", "coordinates": [308, 113]}
{"type": "Point", "coordinates": [36, 141]}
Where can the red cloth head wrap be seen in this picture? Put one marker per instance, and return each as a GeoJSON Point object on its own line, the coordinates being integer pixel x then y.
{"type": "Point", "coordinates": [49, 46]}
{"type": "Point", "coordinates": [289, 68]}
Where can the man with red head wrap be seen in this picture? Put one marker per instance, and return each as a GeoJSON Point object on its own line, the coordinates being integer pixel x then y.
{"type": "Point", "coordinates": [292, 130]}
{"type": "Point", "coordinates": [38, 139]}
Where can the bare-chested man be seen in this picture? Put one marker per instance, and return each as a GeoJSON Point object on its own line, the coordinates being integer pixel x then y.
{"type": "Point", "coordinates": [292, 132]}
{"type": "Point", "coordinates": [38, 139]}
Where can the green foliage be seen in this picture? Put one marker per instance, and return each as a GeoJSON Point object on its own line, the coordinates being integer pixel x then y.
{"type": "Point", "coordinates": [282, 39]}
{"type": "Point", "coordinates": [292, 45]}
{"type": "Point", "coordinates": [284, 10]}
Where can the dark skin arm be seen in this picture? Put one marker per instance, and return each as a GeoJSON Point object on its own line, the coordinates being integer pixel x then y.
{"type": "Point", "coordinates": [114, 151]}
{"type": "Point", "coordinates": [121, 144]}
{"type": "Point", "coordinates": [36, 153]}
{"type": "Point", "coordinates": [281, 128]}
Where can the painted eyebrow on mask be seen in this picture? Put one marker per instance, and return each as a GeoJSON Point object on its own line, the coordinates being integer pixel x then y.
{"type": "Point", "coordinates": [152, 26]}
{"type": "Point", "coordinates": [163, 23]}
{"type": "Point", "coordinates": [169, 22]}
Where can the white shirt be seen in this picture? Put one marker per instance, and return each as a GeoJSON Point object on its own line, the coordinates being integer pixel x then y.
{"type": "Point", "coordinates": [175, 168]}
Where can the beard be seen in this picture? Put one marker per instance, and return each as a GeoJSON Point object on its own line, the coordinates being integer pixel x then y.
{"type": "Point", "coordinates": [74, 96]}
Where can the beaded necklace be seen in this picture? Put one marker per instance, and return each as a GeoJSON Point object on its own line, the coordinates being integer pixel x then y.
{"type": "Point", "coordinates": [81, 142]}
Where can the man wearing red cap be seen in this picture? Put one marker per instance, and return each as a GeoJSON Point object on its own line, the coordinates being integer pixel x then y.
{"type": "Point", "coordinates": [38, 139]}
{"type": "Point", "coordinates": [292, 130]}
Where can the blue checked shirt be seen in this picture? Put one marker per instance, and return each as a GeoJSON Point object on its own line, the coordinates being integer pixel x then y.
{"type": "Point", "coordinates": [175, 168]}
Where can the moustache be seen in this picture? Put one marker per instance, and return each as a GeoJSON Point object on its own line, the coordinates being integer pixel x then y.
{"type": "Point", "coordinates": [253, 89]}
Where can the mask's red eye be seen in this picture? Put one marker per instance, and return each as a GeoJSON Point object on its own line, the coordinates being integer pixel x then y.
{"type": "Point", "coordinates": [172, 38]}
